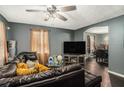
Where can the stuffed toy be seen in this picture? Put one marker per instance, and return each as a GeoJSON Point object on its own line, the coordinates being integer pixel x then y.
{"type": "Point", "coordinates": [50, 61]}
{"type": "Point", "coordinates": [59, 58]}
{"type": "Point", "coordinates": [55, 60]}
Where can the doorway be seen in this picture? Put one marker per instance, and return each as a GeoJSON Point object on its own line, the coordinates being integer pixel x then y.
{"type": "Point", "coordinates": [97, 43]}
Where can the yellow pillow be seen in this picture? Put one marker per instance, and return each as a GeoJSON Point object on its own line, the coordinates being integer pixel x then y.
{"type": "Point", "coordinates": [20, 71]}
{"type": "Point", "coordinates": [22, 65]}
{"type": "Point", "coordinates": [41, 67]}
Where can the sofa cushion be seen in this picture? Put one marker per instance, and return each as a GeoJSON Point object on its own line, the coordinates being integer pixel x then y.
{"type": "Point", "coordinates": [21, 80]}
{"type": "Point", "coordinates": [67, 68]}
{"type": "Point", "coordinates": [8, 70]}
{"type": "Point", "coordinates": [4, 82]}
{"type": "Point", "coordinates": [27, 56]}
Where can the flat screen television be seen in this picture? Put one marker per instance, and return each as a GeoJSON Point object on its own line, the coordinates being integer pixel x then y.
{"type": "Point", "coordinates": [74, 47]}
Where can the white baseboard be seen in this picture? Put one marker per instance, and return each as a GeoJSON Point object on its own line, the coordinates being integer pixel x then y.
{"type": "Point", "coordinates": [117, 74]}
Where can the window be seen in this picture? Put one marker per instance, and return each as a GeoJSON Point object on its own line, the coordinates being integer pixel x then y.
{"type": "Point", "coordinates": [40, 44]}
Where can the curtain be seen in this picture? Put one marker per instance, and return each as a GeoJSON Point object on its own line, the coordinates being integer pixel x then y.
{"type": "Point", "coordinates": [40, 44]}
{"type": "Point", "coordinates": [3, 45]}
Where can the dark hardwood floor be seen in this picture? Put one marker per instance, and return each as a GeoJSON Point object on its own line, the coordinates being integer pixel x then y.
{"type": "Point", "coordinates": [116, 81]}
{"type": "Point", "coordinates": [100, 68]}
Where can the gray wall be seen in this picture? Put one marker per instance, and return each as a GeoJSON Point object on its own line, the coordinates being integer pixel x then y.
{"type": "Point", "coordinates": [116, 42]}
{"type": "Point", "coordinates": [21, 33]}
{"type": "Point", "coordinates": [100, 39]}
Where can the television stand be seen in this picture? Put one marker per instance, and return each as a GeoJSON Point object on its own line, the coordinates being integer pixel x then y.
{"type": "Point", "coordinates": [69, 59]}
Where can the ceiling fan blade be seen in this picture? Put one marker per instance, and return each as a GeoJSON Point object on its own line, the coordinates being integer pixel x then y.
{"type": "Point", "coordinates": [68, 8]}
{"type": "Point", "coordinates": [32, 10]}
{"type": "Point", "coordinates": [61, 17]}
{"type": "Point", "coordinates": [54, 7]}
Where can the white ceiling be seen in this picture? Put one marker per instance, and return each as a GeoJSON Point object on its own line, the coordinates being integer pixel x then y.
{"type": "Point", "coordinates": [98, 30]}
{"type": "Point", "coordinates": [84, 15]}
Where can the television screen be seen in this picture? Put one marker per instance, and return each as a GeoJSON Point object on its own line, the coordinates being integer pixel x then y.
{"type": "Point", "coordinates": [77, 47]}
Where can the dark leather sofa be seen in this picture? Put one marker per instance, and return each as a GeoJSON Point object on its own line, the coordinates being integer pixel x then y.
{"type": "Point", "coordinates": [72, 75]}
{"type": "Point", "coordinates": [92, 80]}
{"type": "Point", "coordinates": [66, 76]}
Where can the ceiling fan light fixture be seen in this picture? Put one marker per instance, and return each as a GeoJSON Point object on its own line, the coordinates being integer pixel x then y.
{"type": "Point", "coordinates": [47, 17]}
{"type": "Point", "coordinates": [52, 12]}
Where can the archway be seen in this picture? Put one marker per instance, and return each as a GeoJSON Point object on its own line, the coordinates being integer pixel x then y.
{"type": "Point", "coordinates": [97, 41]}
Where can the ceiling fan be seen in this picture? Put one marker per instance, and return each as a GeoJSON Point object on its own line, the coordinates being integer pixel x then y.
{"type": "Point", "coordinates": [54, 12]}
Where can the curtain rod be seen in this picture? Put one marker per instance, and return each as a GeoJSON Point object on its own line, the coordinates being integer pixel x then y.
{"type": "Point", "coordinates": [38, 29]}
